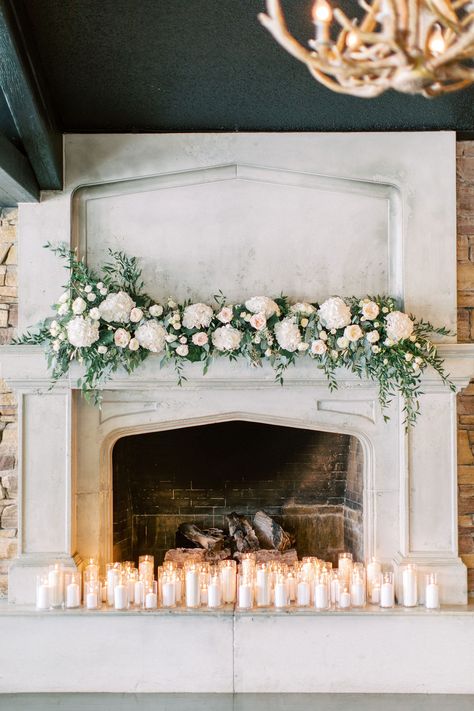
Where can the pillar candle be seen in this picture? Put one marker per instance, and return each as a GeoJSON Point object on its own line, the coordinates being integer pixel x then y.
{"type": "Point", "coordinates": [228, 579]}
{"type": "Point", "coordinates": [179, 592]}
{"type": "Point", "coordinates": [193, 592]}
{"type": "Point", "coordinates": [150, 600]}
{"type": "Point", "coordinates": [56, 586]}
{"type": "Point", "coordinates": [73, 595]}
{"type": "Point", "coordinates": [42, 597]}
{"type": "Point", "coordinates": [386, 594]}
{"type": "Point", "coordinates": [374, 570]}
{"type": "Point", "coordinates": [375, 594]}
{"type": "Point", "coordinates": [409, 586]}
{"type": "Point", "coordinates": [303, 594]}
{"type": "Point", "coordinates": [281, 595]}
{"type": "Point", "coordinates": [139, 592]}
{"type": "Point", "coordinates": [357, 593]}
{"type": "Point", "coordinates": [131, 590]}
{"type": "Point", "coordinates": [204, 594]}
{"type": "Point", "coordinates": [168, 593]}
{"type": "Point", "coordinates": [120, 597]}
{"type": "Point", "coordinates": [262, 587]}
{"type": "Point", "coordinates": [92, 602]}
{"type": "Point", "coordinates": [334, 589]}
{"type": "Point", "coordinates": [214, 594]}
{"type": "Point", "coordinates": [344, 599]}
{"type": "Point", "coordinates": [245, 596]}
{"type": "Point", "coordinates": [321, 599]}
{"type": "Point", "coordinates": [431, 592]}
{"type": "Point", "coordinates": [291, 580]}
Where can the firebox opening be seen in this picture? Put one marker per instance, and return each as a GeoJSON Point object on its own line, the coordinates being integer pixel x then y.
{"type": "Point", "coordinates": [310, 482]}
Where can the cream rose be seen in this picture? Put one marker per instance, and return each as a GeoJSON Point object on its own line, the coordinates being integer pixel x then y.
{"type": "Point", "coordinates": [134, 344]}
{"type": "Point", "coordinates": [258, 321]}
{"type": "Point", "coordinates": [226, 338]}
{"type": "Point", "coordinates": [156, 310]}
{"type": "Point", "coordinates": [370, 310]}
{"type": "Point", "coordinates": [335, 313]}
{"type": "Point", "coordinates": [288, 334]}
{"type": "Point", "coordinates": [197, 316]}
{"type": "Point", "coordinates": [121, 338]}
{"type": "Point", "coordinates": [151, 335]}
{"type": "Point", "coordinates": [136, 315]}
{"type": "Point", "coordinates": [373, 336]}
{"type": "Point", "coordinates": [353, 333]}
{"type": "Point", "coordinates": [200, 339]}
{"type": "Point", "coordinates": [78, 306]}
{"type": "Point", "coordinates": [342, 342]}
{"type": "Point", "coordinates": [302, 307]}
{"type": "Point", "coordinates": [259, 304]}
{"type": "Point", "coordinates": [225, 314]}
{"type": "Point", "coordinates": [399, 325]}
{"type": "Point", "coordinates": [318, 347]}
{"type": "Point", "coordinates": [182, 350]}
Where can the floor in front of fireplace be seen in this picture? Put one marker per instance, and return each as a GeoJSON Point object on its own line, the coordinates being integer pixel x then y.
{"type": "Point", "coordinates": [237, 702]}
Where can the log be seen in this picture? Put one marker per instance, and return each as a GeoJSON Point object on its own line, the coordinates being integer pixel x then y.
{"type": "Point", "coordinates": [270, 534]}
{"type": "Point", "coordinates": [289, 557]}
{"type": "Point", "coordinates": [211, 539]}
{"type": "Point", "coordinates": [242, 533]}
{"type": "Point", "coordinates": [200, 555]}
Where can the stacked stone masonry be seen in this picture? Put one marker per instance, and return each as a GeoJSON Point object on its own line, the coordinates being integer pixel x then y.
{"type": "Point", "coordinates": [8, 408]}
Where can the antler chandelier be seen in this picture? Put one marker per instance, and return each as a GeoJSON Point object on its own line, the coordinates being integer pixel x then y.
{"type": "Point", "coordinates": [413, 46]}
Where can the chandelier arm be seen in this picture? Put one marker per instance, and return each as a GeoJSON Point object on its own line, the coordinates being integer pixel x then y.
{"type": "Point", "coordinates": [461, 45]}
{"type": "Point", "coordinates": [369, 37]}
{"type": "Point", "coordinates": [274, 22]}
{"type": "Point", "coordinates": [467, 20]}
{"type": "Point", "coordinates": [402, 17]}
{"type": "Point", "coordinates": [443, 20]}
{"type": "Point", "coordinates": [369, 21]}
{"type": "Point", "coordinates": [447, 88]}
{"type": "Point", "coordinates": [459, 4]}
{"type": "Point", "coordinates": [364, 92]}
{"type": "Point", "coordinates": [413, 24]}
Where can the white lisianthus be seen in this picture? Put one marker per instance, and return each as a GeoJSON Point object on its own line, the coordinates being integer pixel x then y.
{"type": "Point", "coordinates": [134, 344]}
{"type": "Point", "coordinates": [171, 337]}
{"type": "Point", "coordinates": [197, 316]}
{"type": "Point", "coordinates": [399, 325]}
{"type": "Point", "coordinates": [82, 332]}
{"type": "Point", "coordinates": [370, 310]}
{"type": "Point", "coordinates": [121, 338]}
{"type": "Point", "coordinates": [78, 306]}
{"type": "Point", "coordinates": [117, 307]}
{"type": "Point", "coordinates": [288, 334]}
{"type": "Point", "coordinates": [63, 298]}
{"type": "Point", "coordinates": [343, 342]}
{"type": "Point", "coordinates": [54, 328]}
{"type": "Point", "coordinates": [136, 315]}
{"type": "Point", "coordinates": [200, 339]}
{"type": "Point", "coordinates": [225, 314]}
{"type": "Point", "coordinates": [318, 347]}
{"type": "Point", "coordinates": [302, 307]}
{"type": "Point", "coordinates": [91, 297]}
{"type": "Point", "coordinates": [335, 313]}
{"type": "Point", "coordinates": [259, 304]}
{"type": "Point", "coordinates": [155, 310]}
{"type": "Point", "coordinates": [258, 321]}
{"type": "Point", "coordinates": [102, 350]}
{"type": "Point", "coordinates": [353, 333]}
{"type": "Point", "coordinates": [373, 336]}
{"type": "Point", "coordinates": [226, 338]}
{"type": "Point", "coordinates": [151, 335]}
{"type": "Point", "coordinates": [182, 350]}
{"type": "Point", "coordinates": [303, 346]}
{"type": "Point", "coordinates": [94, 313]}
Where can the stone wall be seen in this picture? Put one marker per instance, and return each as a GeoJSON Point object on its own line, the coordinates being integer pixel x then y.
{"type": "Point", "coordinates": [8, 409]}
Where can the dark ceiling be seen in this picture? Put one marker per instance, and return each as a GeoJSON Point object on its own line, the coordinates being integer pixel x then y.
{"type": "Point", "coordinates": [200, 65]}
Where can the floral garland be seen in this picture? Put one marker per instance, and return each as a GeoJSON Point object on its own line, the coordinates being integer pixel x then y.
{"type": "Point", "coordinates": [106, 321]}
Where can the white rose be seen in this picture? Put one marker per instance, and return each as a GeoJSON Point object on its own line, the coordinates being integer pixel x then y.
{"type": "Point", "coordinates": [63, 298]}
{"type": "Point", "coordinates": [342, 342]}
{"type": "Point", "coordinates": [197, 316]}
{"type": "Point", "coordinates": [399, 325]}
{"type": "Point", "coordinates": [136, 315]}
{"type": "Point", "coordinates": [82, 332]}
{"type": "Point", "coordinates": [121, 338]}
{"type": "Point", "coordinates": [117, 307]}
{"type": "Point", "coordinates": [288, 334]}
{"type": "Point", "coordinates": [258, 321]}
{"type": "Point", "coordinates": [170, 338]}
{"type": "Point", "coordinates": [182, 350]}
{"type": "Point", "coordinates": [302, 307]}
{"type": "Point", "coordinates": [56, 346]}
{"type": "Point", "coordinates": [134, 344]}
{"type": "Point", "coordinates": [183, 339]}
{"type": "Point", "coordinates": [375, 349]}
{"type": "Point", "coordinates": [103, 291]}
{"type": "Point", "coordinates": [225, 314]}
{"type": "Point", "coordinates": [370, 310]}
{"type": "Point", "coordinates": [200, 339]}
{"type": "Point", "coordinates": [353, 333]}
{"type": "Point", "coordinates": [373, 336]}
{"type": "Point", "coordinates": [335, 313]}
{"type": "Point", "coordinates": [94, 313]}
{"type": "Point", "coordinates": [408, 356]}
{"type": "Point", "coordinates": [318, 347]}
{"type": "Point", "coordinates": [226, 338]}
{"type": "Point", "coordinates": [78, 306]}
{"type": "Point", "coordinates": [303, 346]}
{"type": "Point", "coordinates": [100, 285]}
{"type": "Point", "coordinates": [88, 288]}
{"type": "Point", "coordinates": [388, 342]}
{"type": "Point", "coordinates": [54, 328]}
{"type": "Point", "coordinates": [151, 335]}
{"type": "Point", "coordinates": [259, 304]}
{"type": "Point", "coordinates": [172, 304]}
{"type": "Point", "coordinates": [102, 350]}
{"type": "Point", "coordinates": [323, 335]}
{"type": "Point", "coordinates": [91, 297]}
{"type": "Point", "coordinates": [156, 310]}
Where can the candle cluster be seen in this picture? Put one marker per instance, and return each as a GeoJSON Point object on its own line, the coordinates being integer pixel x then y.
{"type": "Point", "coordinates": [310, 582]}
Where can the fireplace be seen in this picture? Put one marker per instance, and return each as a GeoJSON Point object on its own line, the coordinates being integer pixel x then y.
{"type": "Point", "coordinates": [310, 482]}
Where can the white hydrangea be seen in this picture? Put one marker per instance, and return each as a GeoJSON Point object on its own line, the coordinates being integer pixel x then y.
{"type": "Point", "coordinates": [302, 307]}
{"type": "Point", "coordinates": [262, 304]}
{"type": "Point", "coordinates": [335, 313]}
{"type": "Point", "coordinates": [398, 325]}
{"type": "Point", "coordinates": [82, 332]}
{"type": "Point", "coordinates": [226, 338]}
{"type": "Point", "coordinates": [197, 316]}
{"type": "Point", "coordinates": [151, 335]}
{"type": "Point", "coordinates": [117, 307]}
{"type": "Point", "coordinates": [288, 334]}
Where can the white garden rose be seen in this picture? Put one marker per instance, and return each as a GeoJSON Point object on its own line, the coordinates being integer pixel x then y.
{"type": "Point", "coordinates": [197, 316]}
{"type": "Point", "coordinates": [302, 307]}
{"type": "Point", "coordinates": [258, 321]}
{"type": "Point", "coordinates": [56, 346]}
{"type": "Point", "coordinates": [303, 346]}
{"type": "Point", "coordinates": [182, 350]}
{"type": "Point", "coordinates": [91, 297]}
{"type": "Point", "coordinates": [134, 344]}
{"type": "Point", "coordinates": [82, 332]}
{"type": "Point", "coordinates": [200, 339]}
{"type": "Point", "coordinates": [156, 310]}
{"type": "Point", "coordinates": [288, 334]}
{"type": "Point", "coordinates": [136, 315]}
{"type": "Point", "coordinates": [335, 313]}
{"type": "Point", "coordinates": [171, 337]}
{"type": "Point", "coordinates": [117, 307]}
{"type": "Point", "coordinates": [78, 306]}
{"type": "Point", "coordinates": [102, 350]}
{"type": "Point", "coordinates": [94, 313]}
{"type": "Point", "coordinates": [370, 310]}
{"type": "Point", "coordinates": [151, 335]}
{"type": "Point", "coordinates": [318, 347]}
{"type": "Point", "coordinates": [88, 288]}
{"type": "Point", "coordinates": [373, 336]}
{"type": "Point", "coordinates": [399, 325]}
{"type": "Point", "coordinates": [121, 338]}
{"type": "Point", "coordinates": [262, 304]}
{"type": "Point", "coordinates": [225, 314]}
{"type": "Point", "coordinates": [226, 338]}
{"type": "Point", "coordinates": [342, 342]}
{"type": "Point", "coordinates": [353, 333]}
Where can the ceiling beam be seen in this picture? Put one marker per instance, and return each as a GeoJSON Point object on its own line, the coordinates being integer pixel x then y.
{"type": "Point", "coordinates": [25, 96]}
{"type": "Point", "coordinates": [17, 180]}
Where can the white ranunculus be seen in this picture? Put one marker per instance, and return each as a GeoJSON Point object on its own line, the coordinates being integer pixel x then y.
{"type": "Point", "coordinates": [225, 314]}
{"type": "Point", "coordinates": [373, 336]}
{"type": "Point", "coordinates": [200, 339]}
{"type": "Point", "coordinates": [370, 310]}
{"type": "Point", "coordinates": [136, 315]}
{"type": "Point", "coordinates": [399, 325]}
{"type": "Point", "coordinates": [134, 344]}
{"type": "Point", "coordinates": [117, 307]}
{"type": "Point", "coordinates": [182, 350]}
{"type": "Point", "coordinates": [226, 338]}
{"type": "Point", "coordinates": [99, 285]}
{"type": "Point", "coordinates": [103, 291]}
{"type": "Point", "coordinates": [91, 297]}
{"type": "Point", "coordinates": [288, 334]}
{"type": "Point", "coordinates": [318, 347]}
{"type": "Point", "coordinates": [78, 306]}
{"type": "Point", "coordinates": [302, 307]}
{"type": "Point", "coordinates": [353, 333]}
{"type": "Point", "coordinates": [88, 288]}
{"type": "Point", "coordinates": [121, 338]}
{"type": "Point", "coordinates": [82, 332]}
{"type": "Point", "coordinates": [94, 313]}
{"type": "Point", "coordinates": [151, 335]}
{"type": "Point", "coordinates": [258, 321]}
{"type": "Point", "coordinates": [335, 313]}
{"type": "Point", "coordinates": [197, 316]}
{"type": "Point", "coordinates": [155, 310]}
{"type": "Point", "coordinates": [258, 304]}
{"type": "Point", "coordinates": [102, 350]}
{"type": "Point", "coordinates": [54, 328]}
{"type": "Point", "coordinates": [342, 342]}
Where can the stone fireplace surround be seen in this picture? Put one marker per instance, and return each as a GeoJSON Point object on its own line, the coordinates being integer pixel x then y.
{"type": "Point", "coordinates": [366, 212]}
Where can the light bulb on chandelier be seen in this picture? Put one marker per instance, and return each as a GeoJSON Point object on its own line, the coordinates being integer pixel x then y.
{"type": "Point", "coordinates": [413, 46]}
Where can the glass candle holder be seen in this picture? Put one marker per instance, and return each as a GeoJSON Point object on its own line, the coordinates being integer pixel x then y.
{"type": "Point", "coordinates": [114, 575]}
{"type": "Point", "coordinates": [280, 590]}
{"type": "Point", "coordinates": [92, 594]}
{"type": "Point", "coordinates": [91, 570]}
{"type": "Point", "coordinates": [103, 590]}
{"type": "Point", "coordinates": [387, 593]}
{"type": "Point", "coordinates": [151, 596]}
{"type": "Point", "coordinates": [168, 589]}
{"type": "Point", "coordinates": [228, 575]}
{"type": "Point", "coordinates": [344, 602]}
{"type": "Point", "coordinates": [345, 565]}
{"type": "Point", "coordinates": [357, 588]}
{"type": "Point", "coordinates": [374, 571]}
{"type": "Point", "coordinates": [409, 585]}
{"type": "Point", "coordinates": [245, 592]}
{"type": "Point", "coordinates": [263, 587]}
{"type": "Point", "coordinates": [432, 592]}
{"type": "Point", "coordinates": [192, 584]}
{"type": "Point", "coordinates": [247, 564]}
{"type": "Point", "coordinates": [73, 590]}
{"type": "Point", "coordinates": [291, 582]}
{"type": "Point", "coordinates": [146, 567]}
{"type": "Point", "coordinates": [214, 596]}
{"type": "Point", "coordinates": [374, 590]}
{"type": "Point", "coordinates": [303, 590]}
{"type": "Point", "coordinates": [131, 575]}
{"type": "Point", "coordinates": [42, 592]}
{"type": "Point", "coordinates": [334, 587]}
{"type": "Point", "coordinates": [121, 601]}
{"type": "Point", "coordinates": [56, 585]}
{"type": "Point", "coordinates": [321, 592]}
